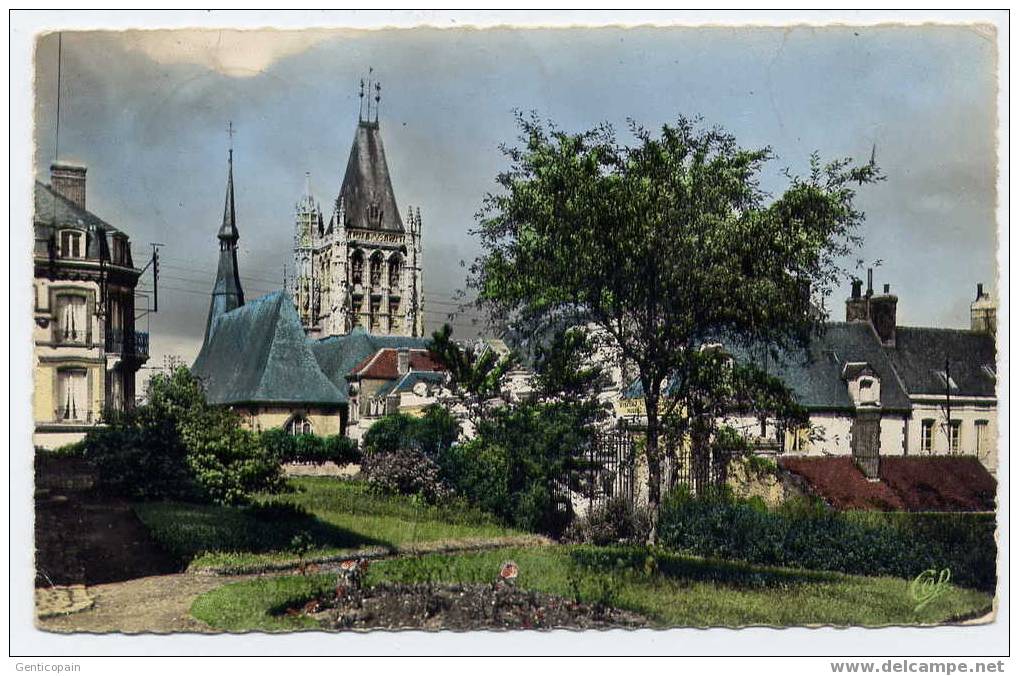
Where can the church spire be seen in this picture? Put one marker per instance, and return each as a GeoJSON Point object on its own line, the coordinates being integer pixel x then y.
{"type": "Point", "coordinates": [227, 293]}
{"type": "Point", "coordinates": [228, 231]}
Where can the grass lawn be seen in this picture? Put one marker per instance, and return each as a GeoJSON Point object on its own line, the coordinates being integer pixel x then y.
{"type": "Point", "coordinates": [671, 590]}
{"type": "Point", "coordinates": [341, 515]}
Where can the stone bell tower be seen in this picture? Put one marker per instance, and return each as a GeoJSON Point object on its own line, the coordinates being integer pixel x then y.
{"type": "Point", "coordinates": [363, 267]}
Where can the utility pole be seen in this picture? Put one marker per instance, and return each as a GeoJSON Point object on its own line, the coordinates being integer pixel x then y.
{"type": "Point", "coordinates": [155, 276]}
{"type": "Point", "coordinates": [948, 402]}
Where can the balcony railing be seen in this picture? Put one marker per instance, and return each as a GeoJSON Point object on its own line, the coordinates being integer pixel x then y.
{"type": "Point", "coordinates": [128, 343]}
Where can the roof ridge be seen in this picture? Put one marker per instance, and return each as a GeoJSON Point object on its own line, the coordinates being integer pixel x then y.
{"type": "Point", "coordinates": [946, 329]}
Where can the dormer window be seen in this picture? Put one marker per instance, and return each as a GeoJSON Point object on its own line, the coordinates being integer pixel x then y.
{"type": "Point", "coordinates": [72, 244]}
{"type": "Point", "coordinates": [946, 380]}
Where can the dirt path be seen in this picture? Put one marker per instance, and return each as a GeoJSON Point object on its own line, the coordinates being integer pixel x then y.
{"type": "Point", "coordinates": [158, 604]}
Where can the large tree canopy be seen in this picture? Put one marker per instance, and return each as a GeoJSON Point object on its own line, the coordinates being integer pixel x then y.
{"type": "Point", "coordinates": [666, 244]}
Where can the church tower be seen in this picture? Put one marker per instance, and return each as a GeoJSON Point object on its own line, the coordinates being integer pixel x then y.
{"type": "Point", "coordinates": [227, 294]}
{"type": "Point", "coordinates": [363, 268]}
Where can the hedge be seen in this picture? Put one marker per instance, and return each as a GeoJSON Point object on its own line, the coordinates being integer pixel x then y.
{"type": "Point", "coordinates": [309, 448]}
{"type": "Point", "coordinates": [809, 536]}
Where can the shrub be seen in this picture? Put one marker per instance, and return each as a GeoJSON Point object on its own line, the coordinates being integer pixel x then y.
{"type": "Point", "coordinates": [178, 446]}
{"type": "Point", "coordinates": [277, 511]}
{"type": "Point", "coordinates": [309, 448]}
{"type": "Point", "coordinates": [804, 535]}
{"type": "Point", "coordinates": [431, 434]}
{"type": "Point", "coordinates": [391, 433]}
{"type": "Point", "coordinates": [405, 471]}
{"type": "Point", "coordinates": [72, 450]}
{"type": "Point", "coordinates": [615, 521]}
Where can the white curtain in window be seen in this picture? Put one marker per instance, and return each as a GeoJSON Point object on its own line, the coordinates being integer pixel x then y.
{"type": "Point", "coordinates": [73, 321]}
{"type": "Point", "coordinates": [73, 394]}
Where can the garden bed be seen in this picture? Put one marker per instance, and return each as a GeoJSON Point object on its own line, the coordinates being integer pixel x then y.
{"type": "Point", "coordinates": [458, 607]}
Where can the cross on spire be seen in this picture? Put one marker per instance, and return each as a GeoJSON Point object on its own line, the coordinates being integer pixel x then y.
{"type": "Point", "coordinates": [230, 135]}
{"type": "Point", "coordinates": [364, 106]}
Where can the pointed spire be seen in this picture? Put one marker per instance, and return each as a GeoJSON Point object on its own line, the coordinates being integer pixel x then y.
{"type": "Point", "coordinates": [227, 293]}
{"type": "Point", "coordinates": [228, 231]}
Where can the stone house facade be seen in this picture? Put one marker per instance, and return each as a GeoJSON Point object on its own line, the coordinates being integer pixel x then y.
{"type": "Point", "coordinates": [86, 349]}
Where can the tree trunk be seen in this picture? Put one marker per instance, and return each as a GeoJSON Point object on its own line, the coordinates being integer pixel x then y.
{"type": "Point", "coordinates": [651, 451]}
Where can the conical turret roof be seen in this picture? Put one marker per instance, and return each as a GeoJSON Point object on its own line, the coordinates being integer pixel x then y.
{"type": "Point", "coordinates": [367, 190]}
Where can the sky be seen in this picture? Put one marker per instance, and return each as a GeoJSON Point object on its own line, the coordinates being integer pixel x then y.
{"type": "Point", "coordinates": [147, 112]}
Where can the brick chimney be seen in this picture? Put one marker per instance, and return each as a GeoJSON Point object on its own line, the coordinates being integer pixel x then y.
{"type": "Point", "coordinates": [883, 316]}
{"type": "Point", "coordinates": [402, 360]}
{"type": "Point", "coordinates": [857, 307]}
{"type": "Point", "coordinates": [68, 180]}
{"type": "Point", "coordinates": [983, 313]}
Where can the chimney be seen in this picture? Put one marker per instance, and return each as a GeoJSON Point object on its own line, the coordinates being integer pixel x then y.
{"type": "Point", "coordinates": [857, 307]}
{"type": "Point", "coordinates": [882, 316]}
{"type": "Point", "coordinates": [983, 313]}
{"type": "Point", "coordinates": [68, 180]}
{"type": "Point", "coordinates": [402, 360]}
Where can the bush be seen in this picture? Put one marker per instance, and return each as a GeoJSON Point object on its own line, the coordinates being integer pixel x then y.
{"type": "Point", "coordinates": [391, 433]}
{"type": "Point", "coordinates": [615, 521]}
{"type": "Point", "coordinates": [478, 471]}
{"type": "Point", "coordinates": [140, 462]}
{"type": "Point", "coordinates": [72, 450]}
{"type": "Point", "coordinates": [512, 468]}
{"type": "Point", "coordinates": [803, 535]}
{"type": "Point", "coordinates": [405, 471]}
{"type": "Point", "coordinates": [308, 448]}
{"type": "Point", "coordinates": [178, 446]}
{"type": "Point", "coordinates": [431, 434]}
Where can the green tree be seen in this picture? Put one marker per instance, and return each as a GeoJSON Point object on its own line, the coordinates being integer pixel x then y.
{"type": "Point", "coordinates": [666, 245]}
{"type": "Point", "coordinates": [475, 376]}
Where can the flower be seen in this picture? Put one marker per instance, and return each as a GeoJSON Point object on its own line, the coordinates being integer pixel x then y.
{"type": "Point", "coordinates": [509, 571]}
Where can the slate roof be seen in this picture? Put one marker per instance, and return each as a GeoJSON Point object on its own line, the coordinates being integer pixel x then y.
{"type": "Point", "coordinates": [52, 208]}
{"type": "Point", "coordinates": [945, 483]}
{"type": "Point", "coordinates": [338, 355]}
{"type": "Point", "coordinates": [382, 365]}
{"type": "Point", "coordinates": [53, 211]}
{"type": "Point", "coordinates": [259, 354]}
{"type": "Point", "coordinates": [366, 182]}
{"type": "Point", "coordinates": [919, 354]}
{"type": "Point", "coordinates": [814, 374]}
{"type": "Point", "coordinates": [409, 380]}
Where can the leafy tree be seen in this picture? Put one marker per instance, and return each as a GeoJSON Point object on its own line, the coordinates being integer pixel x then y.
{"type": "Point", "coordinates": [666, 245]}
{"type": "Point", "coordinates": [476, 376]}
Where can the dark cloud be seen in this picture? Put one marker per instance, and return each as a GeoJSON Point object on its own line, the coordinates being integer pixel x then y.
{"type": "Point", "coordinates": [150, 123]}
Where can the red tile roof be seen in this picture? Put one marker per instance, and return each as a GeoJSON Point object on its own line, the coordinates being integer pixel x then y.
{"type": "Point", "coordinates": [951, 484]}
{"type": "Point", "coordinates": [383, 364]}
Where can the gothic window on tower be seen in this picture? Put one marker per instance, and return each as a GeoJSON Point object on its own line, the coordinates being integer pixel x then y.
{"type": "Point", "coordinates": [394, 273]}
{"type": "Point", "coordinates": [374, 315]}
{"type": "Point", "coordinates": [356, 311]}
{"type": "Point", "coordinates": [357, 268]}
{"type": "Point", "coordinates": [375, 270]}
{"type": "Point", "coordinates": [394, 315]}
